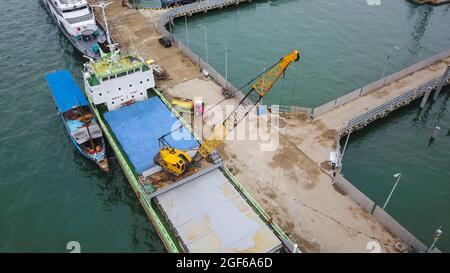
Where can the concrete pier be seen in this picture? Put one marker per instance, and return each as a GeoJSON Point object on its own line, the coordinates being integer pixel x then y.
{"type": "Point", "coordinates": [357, 109]}
{"type": "Point", "coordinates": [293, 182]}
{"type": "Point", "coordinates": [431, 2]}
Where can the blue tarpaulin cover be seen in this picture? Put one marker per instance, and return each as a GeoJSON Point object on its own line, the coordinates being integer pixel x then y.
{"type": "Point", "coordinates": [139, 126]}
{"type": "Point", "coordinates": [65, 90]}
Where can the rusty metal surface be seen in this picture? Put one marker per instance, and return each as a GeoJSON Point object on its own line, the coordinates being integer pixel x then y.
{"type": "Point", "coordinates": [209, 215]}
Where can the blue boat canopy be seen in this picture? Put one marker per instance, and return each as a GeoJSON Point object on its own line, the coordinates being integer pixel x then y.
{"type": "Point", "coordinates": [138, 127]}
{"type": "Point", "coordinates": [65, 90]}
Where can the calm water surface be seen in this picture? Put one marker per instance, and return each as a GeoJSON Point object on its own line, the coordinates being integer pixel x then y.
{"type": "Point", "coordinates": [344, 46]}
{"type": "Point", "coordinates": [49, 195]}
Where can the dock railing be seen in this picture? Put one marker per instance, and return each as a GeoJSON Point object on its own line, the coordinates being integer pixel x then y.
{"type": "Point", "coordinates": [382, 110]}
{"type": "Point", "coordinates": [366, 203]}
{"type": "Point", "coordinates": [367, 89]}
{"type": "Point", "coordinates": [381, 215]}
{"type": "Point", "coordinates": [202, 6]}
{"type": "Point", "coordinates": [167, 18]}
{"type": "Point", "coordinates": [313, 112]}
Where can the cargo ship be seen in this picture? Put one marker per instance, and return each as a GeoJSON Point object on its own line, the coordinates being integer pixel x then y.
{"type": "Point", "coordinates": [204, 209]}
{"type": "Point", "coordinates": [76, 20]}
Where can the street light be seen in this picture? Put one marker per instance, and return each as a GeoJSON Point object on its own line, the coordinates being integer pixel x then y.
{"type": "Point", "coordinates": [187, 32]}
{"type": "Point", "coordinates": [170, 28]}
{"type": "Point", "coordinates": [437, 236]}
{"type": "Point", "coordinates": [226, 59]}
{"type": "Point", "coordinates": [343, 152]}
{"type": "Point", "coordinates": [387, 61]}
{"type": "Point", "coordinates": [206, 43]}
{"type": "Point", "coordinates": [398, 176]}
{"type": "Point", "coordinates": [102, 5]}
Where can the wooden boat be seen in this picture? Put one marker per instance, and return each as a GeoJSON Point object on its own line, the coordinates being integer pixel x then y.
{"type": "Point", "coordinates": [78, 119]}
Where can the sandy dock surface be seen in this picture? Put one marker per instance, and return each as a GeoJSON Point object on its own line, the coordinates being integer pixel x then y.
{"type": "Point", "coordinates": [280, 160]}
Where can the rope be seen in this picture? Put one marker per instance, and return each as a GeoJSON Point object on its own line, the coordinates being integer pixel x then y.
{"type": "Point", "coordinates": [291, 96]}
{"type": "Point", "coordinates": [239, 89]}
{"type": "Point", "coordinates": [277, 151]}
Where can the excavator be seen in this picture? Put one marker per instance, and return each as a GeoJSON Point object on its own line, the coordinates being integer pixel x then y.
{"type": "Point", "coordinates": [176, 162]}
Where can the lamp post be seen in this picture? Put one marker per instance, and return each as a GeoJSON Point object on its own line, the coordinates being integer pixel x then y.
{"type": "Point", "coordinates": [102, 5]}
{"type": "Point", "coordinates": [387, 61]}
{"type": "Point", "coordinates": [437, 236]}
{"type": "Point", "coordinates": [343, 152]}
{"type": "Point", "coordinates": [398, 176]}
{"type": "Point", "coordinates": [206, 42]}
{"type": "Point", "coordinates": [226, 59]}
{"type": "Point", "coordinates": [170, 28]}
{"type": "Point", "coordinates": [187, 32]}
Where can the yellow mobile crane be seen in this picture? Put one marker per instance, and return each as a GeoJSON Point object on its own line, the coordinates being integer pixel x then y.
{"type": "Point", "coordinates": [176, 162]}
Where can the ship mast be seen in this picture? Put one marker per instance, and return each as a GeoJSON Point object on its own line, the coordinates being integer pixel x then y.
{"type": "Point", "coordinates": [102, 5]}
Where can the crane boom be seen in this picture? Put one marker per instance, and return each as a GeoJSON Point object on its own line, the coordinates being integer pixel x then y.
{"type": "Point", "coordinates": [260, 88]}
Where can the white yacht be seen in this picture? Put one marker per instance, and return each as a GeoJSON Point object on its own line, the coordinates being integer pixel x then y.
{"type": "Point", "coordinates": [77, 21]}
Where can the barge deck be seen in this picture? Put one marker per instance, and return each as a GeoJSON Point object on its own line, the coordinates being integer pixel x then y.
{"type": "Point", "coordinates": [201, 212]}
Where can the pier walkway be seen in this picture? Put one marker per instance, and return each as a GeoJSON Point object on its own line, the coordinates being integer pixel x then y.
{"type": "Point", "coordinates": [293, 181]}
{"type": "Point", "coordinates": [379, 98]}
{"type": "Point", "coordinates": [357, 109]}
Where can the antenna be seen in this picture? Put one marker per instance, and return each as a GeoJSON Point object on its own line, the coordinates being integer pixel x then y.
{"type": "Point", "coordinates": [102, 5]}
{"type": "Point", "coordinates": [113, 47]}
{"type": "Point", "coordinates": [89, 58]}
{"type": "Point", "coordinates": [132, 44]}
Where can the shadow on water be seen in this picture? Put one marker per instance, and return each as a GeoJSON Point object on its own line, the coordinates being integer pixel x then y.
{"type": "Point", "coordinates": [423, 14]}
{"type": "Point", "coordinates": [424, 118]}
{"type": "Point", "coordinates": [406, 141]}
{"type": "Point", "coordinates": [50, 194]}
{"type": "Point", "coordinates": [114, 190]}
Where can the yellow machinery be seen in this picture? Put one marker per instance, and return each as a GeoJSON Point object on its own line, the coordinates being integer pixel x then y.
{"type": "Point", "coordinates": [171, 160]}
{"type": "Point", "coordinates": [183, 105]}
{"type": "Point", "coordinates": [169, 157]}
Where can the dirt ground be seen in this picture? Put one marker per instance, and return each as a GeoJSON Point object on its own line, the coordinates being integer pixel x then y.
{"type": "Point", "coordinates": [135, 31]}
{"type": "Point", "coordinates": [281, 161]}
{"type": "Point", "coordinates": [290, 186]}
{"type": "Point", "coordinates": [315, 138]}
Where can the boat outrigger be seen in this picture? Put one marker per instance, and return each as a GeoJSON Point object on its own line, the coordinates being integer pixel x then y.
{"type": "Point", "coordinates": [76, 20]}
{"type": "Point", "coordinates": [78, 119]}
